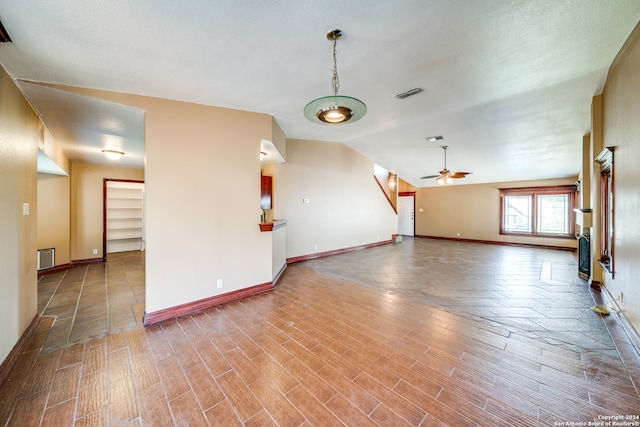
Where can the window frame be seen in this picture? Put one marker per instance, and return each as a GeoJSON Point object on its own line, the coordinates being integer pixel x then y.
{"type": "Point", "coordinates": [534, 192]}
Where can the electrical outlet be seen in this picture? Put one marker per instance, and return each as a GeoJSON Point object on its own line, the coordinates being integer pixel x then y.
{"type": "Point", "coordinates": [219, 283]}
{"type": "Point", "coordinates": [457, 234]}
{"type": "Point", "coordinates": [620, 297]}
{"type": "Point", "coordinates": [315, 247]}
{"type": "Point", "coordinates": [95, 252]}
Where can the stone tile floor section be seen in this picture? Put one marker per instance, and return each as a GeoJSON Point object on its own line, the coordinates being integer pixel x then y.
{"type": "Point", "coordinates": [441, 333]}
{"type": "Point", "coordinates": [92, 300]}
{"type": "Point", "coordinates": [533, 292]}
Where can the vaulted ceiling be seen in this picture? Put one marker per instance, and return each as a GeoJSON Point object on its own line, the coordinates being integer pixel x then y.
{"type": "Point", "coordinates": [508, 83]}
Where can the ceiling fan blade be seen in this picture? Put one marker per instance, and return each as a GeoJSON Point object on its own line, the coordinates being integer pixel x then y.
{"type": "Point", "coordinates": [460, 174]}
{"type": "Point", "coordinates": [429, 176]}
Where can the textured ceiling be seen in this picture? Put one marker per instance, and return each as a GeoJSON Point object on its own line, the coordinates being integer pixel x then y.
{"type": "Point", "coordinates": [507, 83]}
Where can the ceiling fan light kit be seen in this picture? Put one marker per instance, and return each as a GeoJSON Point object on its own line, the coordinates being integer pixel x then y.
{"type": "Point", "coordinates": [445, 176]}
{"type": "Point", "coordinates": [335, 109]}
{"type": "Point", "coordinates": [444, 180]}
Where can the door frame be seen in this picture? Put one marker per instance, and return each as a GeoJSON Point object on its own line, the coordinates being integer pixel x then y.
{"type": "Point", "coordinates": [411, 194]}
{"type": "Point", "coordinates": [104, 210]}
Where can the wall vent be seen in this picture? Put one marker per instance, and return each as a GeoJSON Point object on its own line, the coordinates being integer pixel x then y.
{"type": "Point", "coordinates": [435, 138]}
{"type": "Point", "coordinates": [408, 93]}
{"type": "Point", "coordinates": [46, 258]}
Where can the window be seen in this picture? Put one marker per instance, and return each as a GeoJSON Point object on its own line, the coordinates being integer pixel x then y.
{"type": "Point", "coordinates": [605, 159]}
{"type": "Point", "coordinates": [538, 211]}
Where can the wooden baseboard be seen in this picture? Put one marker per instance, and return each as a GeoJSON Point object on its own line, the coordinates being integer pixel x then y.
{"type": "Point", "coordinates": [192, 307]}
{"type": "Point", "coordinates": [335, 252]}
{"type": "Point", "coordinates": [86, 261]}
{"type": "Point", "coordinates": [495, 242]}
{"type": "Point", "coordinates": [54, 269]}
{"type": "Point", "coordinates": [7, 365]}
{"type": "Point", "coordinates": [66, 266]}
{"type": "Point", "coordinates": [71, 264]}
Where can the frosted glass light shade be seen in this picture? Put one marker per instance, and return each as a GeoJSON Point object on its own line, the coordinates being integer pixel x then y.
{"type": "Point", "coordinates": [335, 110]}
{"type": "Point", "coordinates": [113, 154]}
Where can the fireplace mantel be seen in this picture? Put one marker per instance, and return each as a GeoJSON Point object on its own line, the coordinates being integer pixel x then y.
{"type": "Point", "coordinates": [584, 217]}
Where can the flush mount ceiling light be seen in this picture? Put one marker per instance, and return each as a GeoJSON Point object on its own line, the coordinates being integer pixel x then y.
{"type": "Point", "coordinates": [335, 109]}
{"type": "Point", "coordinates": [113, 154]}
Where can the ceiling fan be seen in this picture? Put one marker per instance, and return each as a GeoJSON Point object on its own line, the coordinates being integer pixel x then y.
{"type": "Point", "coordinates": [446, 176]}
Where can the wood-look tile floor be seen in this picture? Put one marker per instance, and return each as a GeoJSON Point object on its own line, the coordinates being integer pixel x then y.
{"type": "Point", "coordinates": [423, 332]}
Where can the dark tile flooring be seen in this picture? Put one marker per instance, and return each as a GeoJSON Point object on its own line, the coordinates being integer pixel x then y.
{"type": "Point", "coordinates": [534, 292]}
{"type": "Point", "coordinates": [423, 332]}
{"type": "Point", "coordinates": [92, 300]}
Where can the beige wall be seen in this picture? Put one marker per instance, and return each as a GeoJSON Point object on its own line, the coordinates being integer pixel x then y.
{"type": "Point", "coordinates": [202, 187]}
{"type": "Point", "coordinates": [346, 206]}
{"type": "Point", "coordinates": [54, 215]}
{"type": "Point", "coordinates": [87, 205]}
{"type": "Point", "coordinates": [203, 202]}
{"type": "Point", "coordinates": [279, 139]}
{"type": "Point", "coordinates": [405, 187]}
{"type": "Point", "coordinates": [54, 152]}
{"type": "Point", "coordinates": [473, 211]}
{"type": "Point", "coordinates": [621, 129]}
{"type": "Point", "coordinates": [20, 135]}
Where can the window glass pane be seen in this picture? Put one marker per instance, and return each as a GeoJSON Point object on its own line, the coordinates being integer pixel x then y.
{"type": "Point", "coordinates": [517, 214]}
{"type": "Point", "coordinates": [553, 214]}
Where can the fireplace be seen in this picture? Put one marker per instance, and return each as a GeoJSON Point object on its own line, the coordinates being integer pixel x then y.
{"type": "Point", "coordinates": [584, 257]}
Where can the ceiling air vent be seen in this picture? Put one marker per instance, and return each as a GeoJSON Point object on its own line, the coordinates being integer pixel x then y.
{"type": "Point", "coordinates": [408, 93]}
{"type": "Point", "coordinates": [4, 36]}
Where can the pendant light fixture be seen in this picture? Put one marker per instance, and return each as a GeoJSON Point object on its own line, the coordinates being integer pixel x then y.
{"type": "Point", "coordinates": [335, 109]}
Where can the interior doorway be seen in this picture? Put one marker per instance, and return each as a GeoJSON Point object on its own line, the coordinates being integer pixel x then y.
{"type": "Point", "coordinates": [123, 228]}
{"type": "Point", "coordinates": [406, 214]}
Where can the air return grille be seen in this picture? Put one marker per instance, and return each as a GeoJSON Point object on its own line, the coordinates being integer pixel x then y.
{"type": "Point", "coordinates": [46, 258]}
{"type": "Point", "coordinates": [408, 93]}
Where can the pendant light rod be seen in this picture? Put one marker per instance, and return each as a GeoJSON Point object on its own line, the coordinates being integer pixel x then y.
{"type": "Point", "coordinates": [444, 147]}
{"type": "Point", "coordinates": [335, 80]}
{"type": "Point", "coordinates": [335, 109]}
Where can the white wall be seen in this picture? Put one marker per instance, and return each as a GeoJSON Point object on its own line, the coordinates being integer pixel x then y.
{"type": "Point", "coordinates": [346, 206]}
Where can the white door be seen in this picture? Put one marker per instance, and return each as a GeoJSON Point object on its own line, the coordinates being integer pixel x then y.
{"type": "Point", "coordinates": [406, 222]}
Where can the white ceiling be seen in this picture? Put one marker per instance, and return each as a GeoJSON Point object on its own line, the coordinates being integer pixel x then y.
{"type": "Point", "coordinates": [508, 83]}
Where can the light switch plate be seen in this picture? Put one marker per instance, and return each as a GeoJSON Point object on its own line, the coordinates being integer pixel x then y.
{"type": "Point", "coordinates": [25, 209]}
